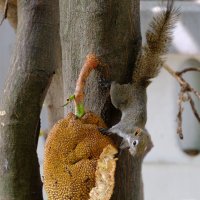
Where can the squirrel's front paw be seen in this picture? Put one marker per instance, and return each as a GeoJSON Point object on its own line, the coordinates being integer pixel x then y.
{"type": "Point", "coordinates": [104, 131]}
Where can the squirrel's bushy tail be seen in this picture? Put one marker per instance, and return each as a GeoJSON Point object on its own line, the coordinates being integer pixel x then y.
{"type": "Point", "coordinates": [158, 38]}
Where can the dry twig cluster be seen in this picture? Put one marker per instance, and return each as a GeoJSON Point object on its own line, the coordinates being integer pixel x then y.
{"type": "Point", "coordinates": [184, 95]}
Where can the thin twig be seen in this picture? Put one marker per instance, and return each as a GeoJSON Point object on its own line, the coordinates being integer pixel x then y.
{"type": "Point", "coordinates": [196, 92]}
{"type": "Point", "coordinates": [173, 73]}
{"type": "Point", "coordinates": [4, 12]}
{"type": "Point", "coordinates": [193, 107]}
{"type": "Point", "coordinates": [188, 70]}
{"type": "Point", "coordinates": [186, 88]}
{"type": "Point", "coordinates": [179, 116]}
{"type": "Point", "coordinates": [170, 70]}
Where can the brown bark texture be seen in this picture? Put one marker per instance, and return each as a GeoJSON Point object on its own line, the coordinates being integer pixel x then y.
{"type": "Point", "coordinates": [33, 65]}
{"type": "Point", "coordinates": [54, 98]}
{"type": "Point", "coordinates": [111, 30]}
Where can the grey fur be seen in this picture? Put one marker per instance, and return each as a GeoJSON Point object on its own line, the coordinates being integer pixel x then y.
{"type": "Point", "coordinates": [131, 99]}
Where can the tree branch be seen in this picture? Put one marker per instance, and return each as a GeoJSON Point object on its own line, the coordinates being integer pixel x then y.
{"type": "Point", "coordinates": [188, 70]}
{"type": "Point", "coordinates": [193, 107]}
{"type": "Point", "coordinates": [184, 94]}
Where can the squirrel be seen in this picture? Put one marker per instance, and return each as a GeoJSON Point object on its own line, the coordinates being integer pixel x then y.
{"type": "Point", "coordinates": [131, 98]}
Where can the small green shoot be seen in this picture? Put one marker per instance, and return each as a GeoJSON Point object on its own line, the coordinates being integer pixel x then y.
{"type": "Point", "coordinates": [69, 100]}
{"type": "Point", "coordinates": [80, 111]}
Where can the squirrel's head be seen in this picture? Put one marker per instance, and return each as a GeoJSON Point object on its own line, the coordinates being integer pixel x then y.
{"type": "Point", "coordinates": [139, 143]}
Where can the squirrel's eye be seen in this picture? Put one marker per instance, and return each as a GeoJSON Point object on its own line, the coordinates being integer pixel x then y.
{"type": "Point", "coordinates": [135, 142]}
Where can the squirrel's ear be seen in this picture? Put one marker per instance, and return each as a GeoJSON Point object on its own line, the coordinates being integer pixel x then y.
{"type": "Point", "coordinates": [124, 144]}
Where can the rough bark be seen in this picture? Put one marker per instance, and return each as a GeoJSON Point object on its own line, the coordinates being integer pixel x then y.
{"type": "Point", "coordinates": [111, 30]}
{"type": "Point", "coordinates": [54, 98]}
{"type": "Point", "coordinates": [32, 67]}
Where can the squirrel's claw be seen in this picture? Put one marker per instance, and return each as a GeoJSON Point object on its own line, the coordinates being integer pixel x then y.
{"type": "Point", "coordinates": [104, 131]}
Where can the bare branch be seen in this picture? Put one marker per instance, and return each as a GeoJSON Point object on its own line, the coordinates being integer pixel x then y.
{"type": "Point", "coordinates": [179, 116]}
{"type": "Point", "coordinates": [186, 88]}
{"type": "Point", "coordinates": [193, 107]}
{"type": "Point", "coordinates": [188, 70]}
{"type": "Point", "coordinates": [170, 70]}
{"type": "Point", "coordinates": [196, 92]}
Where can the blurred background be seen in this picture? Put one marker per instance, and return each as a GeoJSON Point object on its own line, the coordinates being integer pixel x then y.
{"type": "Point", "coordinates": [172, 167]}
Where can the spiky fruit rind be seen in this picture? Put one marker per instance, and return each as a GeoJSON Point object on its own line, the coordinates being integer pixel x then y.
{"type": "Point", "coordinates": [72, 150]}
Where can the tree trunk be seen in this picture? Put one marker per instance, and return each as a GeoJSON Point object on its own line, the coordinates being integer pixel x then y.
{"type": "Point", "coordinates": [55, 98]}
{"type": "Point", "coordinates": [111, 30]}
{"type": "Point", "coordinates": [33, 65]}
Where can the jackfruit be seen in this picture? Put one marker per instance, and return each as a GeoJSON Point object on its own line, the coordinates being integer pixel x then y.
{"type": "Point", "coordinates": [78, 159]}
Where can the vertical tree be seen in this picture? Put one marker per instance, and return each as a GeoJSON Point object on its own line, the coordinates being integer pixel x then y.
{"type": "Point", "coordinates": [110, 29]}
{"type": "Point", "coordinates": [33, 65]}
